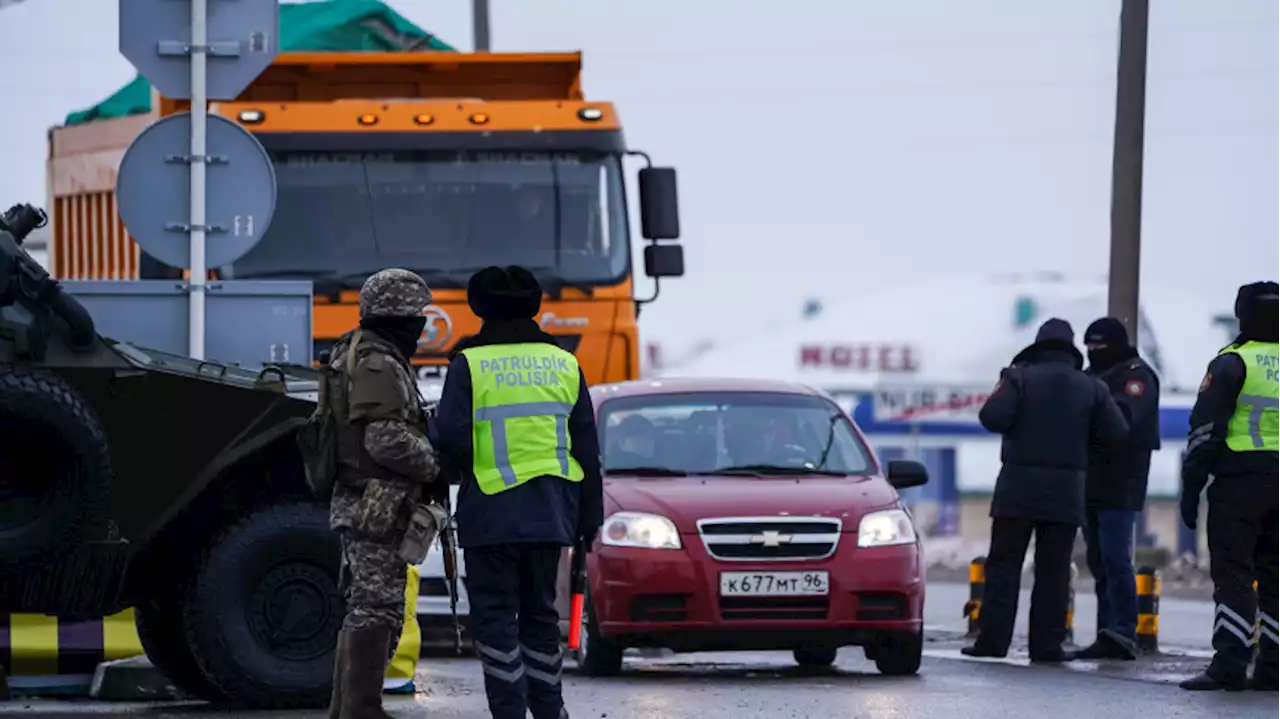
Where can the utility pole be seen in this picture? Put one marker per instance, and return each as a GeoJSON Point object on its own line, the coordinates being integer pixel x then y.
{"type": "Point", "coordinates": [1126, 166]}
{"type": "Point", "coordinates": [480, 25]}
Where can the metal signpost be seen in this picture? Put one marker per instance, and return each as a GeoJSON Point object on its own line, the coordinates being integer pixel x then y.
{"type": "Point", "coordinates": [207, 50]}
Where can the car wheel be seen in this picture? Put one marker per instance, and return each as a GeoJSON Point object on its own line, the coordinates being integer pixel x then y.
{"type": "Point", "coordinates": [815, 656]}
{"type": "Point", "coordinates": [900, 654]}
{"type": "Point", "coordinates": [597, 657]}
{"type": "Point", "coordinates": [264, 612]}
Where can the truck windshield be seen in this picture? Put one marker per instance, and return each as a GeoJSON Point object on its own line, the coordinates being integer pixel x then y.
{"type": "Point", "coordinates": [443, 214]}
{"type": "Point", "coordinates": [729, 432]}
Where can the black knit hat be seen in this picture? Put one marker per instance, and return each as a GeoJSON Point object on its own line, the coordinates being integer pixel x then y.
{"type": "Point", "coordinates": [504, 293]}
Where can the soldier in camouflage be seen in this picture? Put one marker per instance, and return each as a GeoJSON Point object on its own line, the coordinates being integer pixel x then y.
{"type": "Point", "coordinates": [385, 465]}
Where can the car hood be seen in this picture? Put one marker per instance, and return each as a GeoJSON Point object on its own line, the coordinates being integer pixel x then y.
{"type": "Point", "coordinates": [685, 500]}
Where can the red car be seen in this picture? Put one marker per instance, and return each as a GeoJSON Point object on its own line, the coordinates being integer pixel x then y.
{"type": "Point", "coordinates": [748, 515]}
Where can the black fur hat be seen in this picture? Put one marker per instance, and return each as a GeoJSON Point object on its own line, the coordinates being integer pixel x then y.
{"type": "Point", "coordinates": [504, 293]}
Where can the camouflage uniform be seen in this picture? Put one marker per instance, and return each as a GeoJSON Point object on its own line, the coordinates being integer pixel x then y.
{"type": "Point", "coordinates": [384, 462]}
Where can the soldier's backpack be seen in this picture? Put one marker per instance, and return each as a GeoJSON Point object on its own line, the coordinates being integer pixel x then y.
{"type": "Point", "coordinates": [318, 438]}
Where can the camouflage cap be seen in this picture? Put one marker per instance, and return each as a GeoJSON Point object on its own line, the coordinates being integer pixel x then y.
{"type": "Point", "coordinates": [394, 293]}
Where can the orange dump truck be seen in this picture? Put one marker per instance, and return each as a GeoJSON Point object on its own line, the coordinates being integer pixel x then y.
{"type": "Point", "coordinates": [443, 163]}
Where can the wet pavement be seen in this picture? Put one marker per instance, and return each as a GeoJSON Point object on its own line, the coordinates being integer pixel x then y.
{"type": "Point", "coordinates": [750, 685]}
{"type": "Point", "coordinates": [746, 685]}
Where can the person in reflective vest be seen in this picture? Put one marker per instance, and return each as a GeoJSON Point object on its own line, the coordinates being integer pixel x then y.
{"type": "Point", "coordinates": [1235, 435]}
{"type": "Point", "coordinates": [516, 424]}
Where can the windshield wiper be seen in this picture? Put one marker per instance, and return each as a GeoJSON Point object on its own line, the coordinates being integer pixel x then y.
{"type": "Point", "coordinates": [647, 471]}
{"type": "Point", "coordinates": [774, 469]}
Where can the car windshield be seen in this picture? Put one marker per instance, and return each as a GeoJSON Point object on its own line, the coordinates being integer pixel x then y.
{"type": "Point", "coordinates": [729, 432]}
{"type": "Point", "coordinates": [444, 214]}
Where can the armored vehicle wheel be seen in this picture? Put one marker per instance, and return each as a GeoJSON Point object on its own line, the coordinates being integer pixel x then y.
{"type": "Point", "coordinates": [55, 470]}
{"type": "Point", "coordinates": [159, 624]}
{"type": "Point", "coordinates": [264, 611]}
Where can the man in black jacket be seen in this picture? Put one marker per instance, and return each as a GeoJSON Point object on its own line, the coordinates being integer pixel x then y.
{"type": "Point", "coordinates": [1047, 409]}
{"type": "Point", "coordinates": [516, 422]}
{"type": "Point", "coordinates": [1235, 439]}
{"type": "Point", "coordinates": [1116, 488]}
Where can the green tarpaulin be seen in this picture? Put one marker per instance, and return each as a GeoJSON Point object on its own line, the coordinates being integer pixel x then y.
{"type": "Point", "coordinates": [328, 26]}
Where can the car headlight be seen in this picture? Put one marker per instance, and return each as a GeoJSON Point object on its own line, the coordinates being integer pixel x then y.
{"type": "Point", "coordinates": [886, 528]}
{"type": "Point", "coordinates": [637, 529]}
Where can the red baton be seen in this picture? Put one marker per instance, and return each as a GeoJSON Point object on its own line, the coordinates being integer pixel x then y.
{"type": "Point", "coordinates": [577, 586]}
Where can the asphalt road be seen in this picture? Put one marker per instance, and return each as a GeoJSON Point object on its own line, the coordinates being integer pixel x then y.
{"type": "Point", "coordinates": [1183, 623]}
{"type": "Point", "coordinates": [741, 686]}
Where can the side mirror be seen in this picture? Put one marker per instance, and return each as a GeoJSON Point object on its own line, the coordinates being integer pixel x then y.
{"type": "Point", "coordinates": [664, 261]}
{"type": "Point", "coordinates": [659, 206]}
{"type": "Point", "coordinates": [903, 474]}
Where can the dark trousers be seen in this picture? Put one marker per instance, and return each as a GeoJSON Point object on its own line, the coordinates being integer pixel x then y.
{"type": "Point", "coordinates": [512, 589]}
{"type": "Point", "coordinates": [1009, 539]}
{"type": "Point", "coordinates": [1108, 535]}
{"type": "Point", "coordinates": [1242, 548]}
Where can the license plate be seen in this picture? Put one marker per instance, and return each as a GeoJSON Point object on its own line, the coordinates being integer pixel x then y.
{"type": "Point", "coordinates": [774, 584]}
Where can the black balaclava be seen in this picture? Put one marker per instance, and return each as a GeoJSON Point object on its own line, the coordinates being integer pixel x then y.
{"type": "Point", "coordinates": [403, 332]}
{"type": "Point", "coordinates": [1256, 309]}
{"type": "Point", "coordinates": [1114, 348]}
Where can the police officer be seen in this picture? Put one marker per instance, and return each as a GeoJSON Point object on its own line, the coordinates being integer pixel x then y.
{"type": "Point", "coordinates": [1116, 487]}
{"type": "Point", "coordinates": [1047, 409]}
{"type": "Point", "coordinates": [516, 422]}
{"type": "Point", "coordinates": [1234, 437]}
{"type": "Point", "coordinates": [384, 460]}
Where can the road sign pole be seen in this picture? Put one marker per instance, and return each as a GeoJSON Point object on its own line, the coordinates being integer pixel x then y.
{"type": "Point", "coordinates": [199, 109]}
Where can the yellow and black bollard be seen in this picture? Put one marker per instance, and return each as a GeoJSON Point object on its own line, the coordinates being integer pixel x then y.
{"type": "Point", "coordinates": [977, 579]}
{"type": "Point", "coordinates": [1071, 606]}
{"type": "Point", "coordinates": [1148, 610]}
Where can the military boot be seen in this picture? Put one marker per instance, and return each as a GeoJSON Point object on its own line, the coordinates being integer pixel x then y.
{"type": "Point", "coordinates": [339, 671]}
{"type": "Point", "coordinates": [1207, 681]}
{"type": "Point", "coordinates": [366, 664]}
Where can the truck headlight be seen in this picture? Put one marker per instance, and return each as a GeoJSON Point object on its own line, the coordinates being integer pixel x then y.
{"type": "Point", "coordinates": [886, 528]}
{"type": "Point", "coordinates": [637, 529]}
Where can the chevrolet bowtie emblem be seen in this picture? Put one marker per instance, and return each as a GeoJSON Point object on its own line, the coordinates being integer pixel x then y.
{"type": "Point", "coordinates": [771, 539]}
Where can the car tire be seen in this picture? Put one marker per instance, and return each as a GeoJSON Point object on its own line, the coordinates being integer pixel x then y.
{"type": "Point", "coordinates": [598, 656]}
{"type": "Point", "coordinates": [900, 654]}
{"type": "Point", "coordinates": [264, 611]}
{"type": "Point", "coordinates": [55, 468]}
{"type": "Point", "coordinates": [815, 656]}
{"type": "Point", "coordinates": [158, 620]}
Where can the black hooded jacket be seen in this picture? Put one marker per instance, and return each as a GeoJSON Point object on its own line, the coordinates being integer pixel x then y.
{"type": "Point", "coordinates": [544, 510]}
{"type": "Point", "coordinates": [1047, 409]}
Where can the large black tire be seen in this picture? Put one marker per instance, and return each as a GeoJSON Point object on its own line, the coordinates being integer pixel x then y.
{"type": "Point", "coordinates": [55, 467]}
{"type": "Point", "coordinates": [264, 611]}
{"type": "Point", "coordinates": [159, 621]}
{"type": "Point", "coordinates": [598, 656]}
{"type": "Point", "coordinates": [900, 654]}
{"type": "Point", "coordinates": [815, 656]}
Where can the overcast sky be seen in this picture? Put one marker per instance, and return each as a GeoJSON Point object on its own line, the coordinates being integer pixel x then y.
{"type": "Point", "coordinates": [827, 145]}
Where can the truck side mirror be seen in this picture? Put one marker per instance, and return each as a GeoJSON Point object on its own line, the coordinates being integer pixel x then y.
{"type": "Point", "coordinates": [664, 261]}
{"type": "Point", "coordinates": [659, 207]}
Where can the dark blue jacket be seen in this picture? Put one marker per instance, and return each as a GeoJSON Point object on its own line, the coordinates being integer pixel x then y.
{"type": "Point", "coordinates": [544, 510]}
{"type": "Point", "coordinates": [1118, 477]}
{"type": "Point", "coordinates": [1047, 410]}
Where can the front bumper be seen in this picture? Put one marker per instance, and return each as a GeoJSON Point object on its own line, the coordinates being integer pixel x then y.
{"type": "Point", "coordinates": [671, 598]}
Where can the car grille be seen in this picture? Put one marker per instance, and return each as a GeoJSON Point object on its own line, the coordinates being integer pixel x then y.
{"type": "Point", "coordinates": [754, 539]}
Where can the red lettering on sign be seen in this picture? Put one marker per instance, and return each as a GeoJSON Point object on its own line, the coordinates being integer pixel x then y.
{"type": "Point", "coordinates": [861, 357]}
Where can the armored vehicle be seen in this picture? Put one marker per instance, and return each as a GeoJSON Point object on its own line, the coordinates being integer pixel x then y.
{"type": "Point", "coordinates": [135, 478]}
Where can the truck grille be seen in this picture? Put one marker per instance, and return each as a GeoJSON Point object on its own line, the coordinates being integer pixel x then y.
{"type": "Point", "coordinates": [754, 539]}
